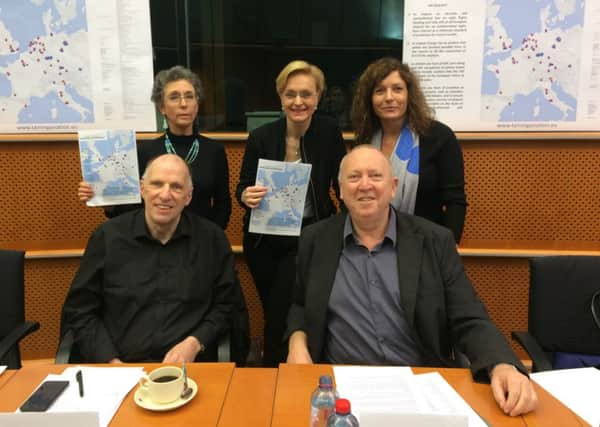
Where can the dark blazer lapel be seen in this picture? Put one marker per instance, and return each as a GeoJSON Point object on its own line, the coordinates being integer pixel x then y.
{"type": "Point", "coordinates": [325, 260]}
{"type": "Point", "coordinates": [327, 254]}
{"type": "Point", "coordinates": [409, 252]}
{"type": "Point", "coordinates": [280, 140]}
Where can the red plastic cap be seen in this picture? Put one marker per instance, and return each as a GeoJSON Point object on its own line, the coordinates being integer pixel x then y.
{"type": "Point", "coordinates": [342, 406]}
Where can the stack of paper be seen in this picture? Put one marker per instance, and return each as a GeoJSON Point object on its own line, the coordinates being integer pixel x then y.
{"type": "Point", "coordinates": [377, 391]}
{"type": "Point", "coordinates": [104, 390]}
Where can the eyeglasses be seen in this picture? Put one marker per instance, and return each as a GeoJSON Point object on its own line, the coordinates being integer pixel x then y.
{"type": "Point", "coordinates": [304, 95]}
{"type": "Point", "coordinates": [176, 98]}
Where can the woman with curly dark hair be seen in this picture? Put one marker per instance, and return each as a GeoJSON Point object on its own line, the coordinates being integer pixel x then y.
{"type": "Point", "coordinates": [389, 111]}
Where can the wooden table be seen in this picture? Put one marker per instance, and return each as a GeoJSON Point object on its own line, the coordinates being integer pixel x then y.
{"type": "Point", "coordinates": [205, 409]}
{"type": "Point", "coordinates": [295, 383]}
{"type": "Point", "coordinates": [6, 376]}
{"type": "Point", "coordinates": [261, 397]}
{"type": "Point", "coordinates": [249, 400]}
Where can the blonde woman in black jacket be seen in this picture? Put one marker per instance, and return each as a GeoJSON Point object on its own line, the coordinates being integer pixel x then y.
{"type": "Point", "coordinates": [300, 136]}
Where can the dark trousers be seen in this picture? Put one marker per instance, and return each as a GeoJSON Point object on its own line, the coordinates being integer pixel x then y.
{"type": "Point", "coordinates": [272, 263]}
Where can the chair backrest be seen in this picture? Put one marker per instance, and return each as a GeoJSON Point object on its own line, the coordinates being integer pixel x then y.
{"type": "Point", "coordinates": [12, 299]}
{"type": "Point", "coordinates": [560, 298]}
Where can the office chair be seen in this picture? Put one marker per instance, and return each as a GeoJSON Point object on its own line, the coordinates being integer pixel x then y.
{"type": "Point", "coordinates": [564, 299]}
{"type": "Point", "coordinates": [13, 327]}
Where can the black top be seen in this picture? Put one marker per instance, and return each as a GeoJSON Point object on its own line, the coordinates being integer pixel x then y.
{"type": "Point", "coordinates": [135, 298]}
{"type": "Point", "coordinates": [322, 146]}
{"type": "Point", "coordinates": [441, 191]}
{"type": "Point", "coordinates": [210, 174]}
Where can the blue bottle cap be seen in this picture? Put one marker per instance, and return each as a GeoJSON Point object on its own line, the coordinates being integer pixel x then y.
{"type": "Point", "coordinates": [325, 381]}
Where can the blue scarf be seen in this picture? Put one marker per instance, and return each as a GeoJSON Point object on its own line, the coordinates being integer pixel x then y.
{"type": "Point", "coordinates": [405, 166]}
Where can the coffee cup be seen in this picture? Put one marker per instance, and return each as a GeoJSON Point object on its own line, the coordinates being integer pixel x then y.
{"type": "Point", "coordinates": [163, 385]}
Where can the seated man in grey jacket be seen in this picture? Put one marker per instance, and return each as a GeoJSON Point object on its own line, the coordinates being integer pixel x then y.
{"type": "Point", "coordinates": [379, 287]}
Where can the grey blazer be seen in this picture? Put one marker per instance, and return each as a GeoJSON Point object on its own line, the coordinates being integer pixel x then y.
{"type": "Point", "coordinates": [443, 310]}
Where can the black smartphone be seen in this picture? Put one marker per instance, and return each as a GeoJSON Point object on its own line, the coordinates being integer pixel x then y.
{"type": "Point", "coordinates": [44, 396]}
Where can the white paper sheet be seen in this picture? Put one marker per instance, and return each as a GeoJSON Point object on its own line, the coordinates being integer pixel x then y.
{"type": "Point", "coordinates": [575, 388]}
{"type": "Point", "coordinates": [379, 389]}
{"type": "Point", "coordinates": [443, 399]}
{"type": "Point", "coordinates": [395, 390]}
{"type": "Point", "coordinates": [37, 419]}
{"type": "Point", "coordinates": [104, 390]}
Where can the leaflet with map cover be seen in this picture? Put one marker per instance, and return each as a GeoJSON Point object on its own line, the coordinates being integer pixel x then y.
{"type": "Point", "coordinates": [109, 164]}
{"type": "Point", "coordinates": [280, 211]}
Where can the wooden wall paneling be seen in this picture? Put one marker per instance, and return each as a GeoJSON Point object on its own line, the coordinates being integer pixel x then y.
{"type": "Point", "coordinates": [38, 191]}
{"type": "Point", "coordinates": [532, 190]}
{"type": "Point", "coordinates": [503, 286]}
{"type": "Point", "coordinates": [252, 299]}
{"type": "Point", "coordinates": [235, 154]}
{"type": "Point", "coordinates": [46, 284]}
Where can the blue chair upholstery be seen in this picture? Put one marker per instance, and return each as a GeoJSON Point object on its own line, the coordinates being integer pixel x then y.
{"type": "Point", "coordinates": [562, 332]}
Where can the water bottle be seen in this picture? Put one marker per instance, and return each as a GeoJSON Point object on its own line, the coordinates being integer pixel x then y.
{"type": "Point", "coordinates": [322, 402]}
{"type": "Point", "coordinates": [342, 416]}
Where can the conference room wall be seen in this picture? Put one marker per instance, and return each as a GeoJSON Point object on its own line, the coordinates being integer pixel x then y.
{"type": "Point", "coordinates": [523, 193]}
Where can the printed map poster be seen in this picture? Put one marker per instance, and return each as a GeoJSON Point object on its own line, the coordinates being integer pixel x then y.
{"type": "Point", "coordinates": [75, 64]}
{"type": "Point", "coordinates": [109, 164]}
{"type": "Point", "coordinates": [280, 211]}
{"type": "Point", "coordinates": [506, 65]}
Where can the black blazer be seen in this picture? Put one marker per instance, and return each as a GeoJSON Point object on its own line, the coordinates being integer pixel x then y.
{"type": "Point", "coordinates": [441, 190]}
{"type": "Point", "coordinates": [322, 146]}
{"type": "Point", "coordinates": [442, 308]}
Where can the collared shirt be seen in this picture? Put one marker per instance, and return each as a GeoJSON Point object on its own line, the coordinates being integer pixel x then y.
{"type": "Point", "coordinates": [366, 322]}
{"type": "Point", "coordinates": [135, 298]}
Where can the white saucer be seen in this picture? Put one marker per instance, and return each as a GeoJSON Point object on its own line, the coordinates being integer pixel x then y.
{"type": "Point", "coordinates": [147, 403]}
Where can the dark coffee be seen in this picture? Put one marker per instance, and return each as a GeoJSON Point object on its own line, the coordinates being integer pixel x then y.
{"type": "Point", "coordinates": [165, 379]}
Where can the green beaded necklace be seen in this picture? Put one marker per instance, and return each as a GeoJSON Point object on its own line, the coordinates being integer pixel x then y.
{"type": "Point", "coordinates": [192, 153]}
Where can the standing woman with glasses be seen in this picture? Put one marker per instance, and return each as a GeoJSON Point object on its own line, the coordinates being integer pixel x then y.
{"type": "Point", "coordinates": [177, 93]}
{"type": "Point", "coordinates": [302, 137]}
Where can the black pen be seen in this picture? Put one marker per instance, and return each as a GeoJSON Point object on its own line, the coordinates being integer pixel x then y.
{"type": "Point", "coordinates": [79, 378]}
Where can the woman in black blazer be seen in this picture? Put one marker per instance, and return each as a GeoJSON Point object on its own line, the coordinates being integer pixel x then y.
{"type": "Point", "coordinates": [389, 110]}
{"type": "Point", "coordinates": [300, 136]}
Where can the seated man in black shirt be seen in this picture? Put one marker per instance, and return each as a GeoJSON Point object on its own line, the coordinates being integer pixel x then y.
{"type": "Point", "coordinates": [154, 284]}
